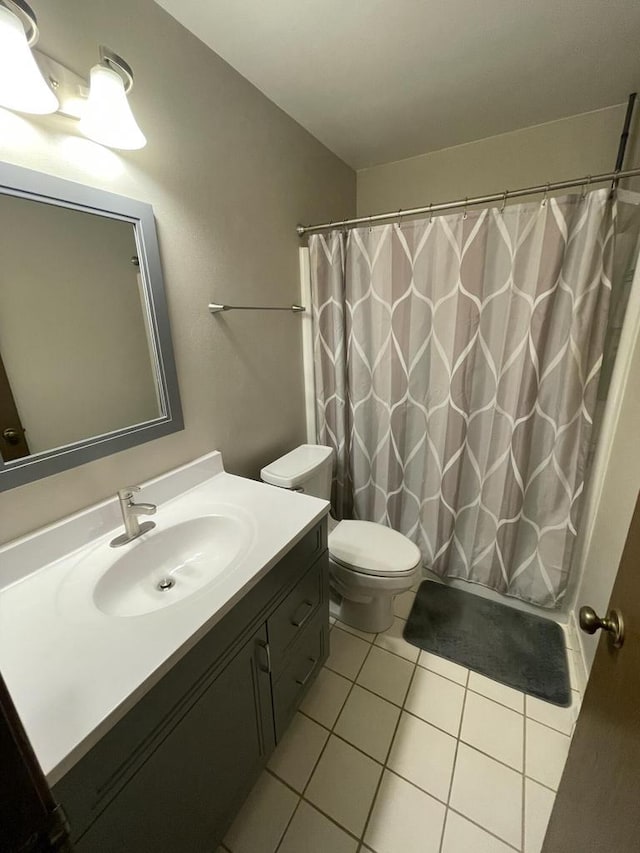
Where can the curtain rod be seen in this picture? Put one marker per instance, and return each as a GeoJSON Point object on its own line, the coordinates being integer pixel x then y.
{"type": "Point", "coordinates": [467, 202]}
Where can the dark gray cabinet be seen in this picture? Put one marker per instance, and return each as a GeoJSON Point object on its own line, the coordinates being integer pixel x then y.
{"type": "Point", "coordinates": [171, 775]}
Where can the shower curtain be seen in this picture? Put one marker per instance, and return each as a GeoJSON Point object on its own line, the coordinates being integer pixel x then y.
{"type": "Point", "coordinates": [456, 367]}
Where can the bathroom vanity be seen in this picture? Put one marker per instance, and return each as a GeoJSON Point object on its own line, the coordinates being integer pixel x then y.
{"type": "Point", "coordinates": [153, 720]}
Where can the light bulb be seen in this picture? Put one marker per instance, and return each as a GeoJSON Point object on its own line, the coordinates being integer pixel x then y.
{"type": "Point", "coordinates": [107, 117]}
{"type": "Point", "coordinates": [22, 86]}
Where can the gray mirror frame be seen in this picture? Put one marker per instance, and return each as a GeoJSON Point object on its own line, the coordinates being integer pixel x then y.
{"type": "Point", "coordinates": [27, 184]}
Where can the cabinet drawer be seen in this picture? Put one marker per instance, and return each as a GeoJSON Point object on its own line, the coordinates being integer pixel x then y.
{"type": "Point", "coordinates": [295, 612]}
{"type": "Point", "coordinates": [300, 670]}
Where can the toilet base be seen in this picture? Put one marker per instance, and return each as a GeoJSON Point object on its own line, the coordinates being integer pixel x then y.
{"type": "Point", "coordinates": [364, 601]}
{"type": "Point", "coordinates": [373, 617]}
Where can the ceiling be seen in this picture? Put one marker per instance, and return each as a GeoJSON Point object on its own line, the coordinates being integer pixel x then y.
{"type": "Point", "coordinates": [381, 80]}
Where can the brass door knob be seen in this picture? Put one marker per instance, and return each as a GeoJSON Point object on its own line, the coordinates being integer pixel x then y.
{"type": "Point", "coordinates": [11, 436]}
{"type": "Point", "coordinates": [613, 624]}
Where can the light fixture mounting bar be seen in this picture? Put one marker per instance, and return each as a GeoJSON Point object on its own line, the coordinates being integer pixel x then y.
{"type": "Point", "coordinates": [69, 87]}
{"type": "Point", "coordinates": [117, 64]}
{"type": "Point", "coordinates": [26, 15]}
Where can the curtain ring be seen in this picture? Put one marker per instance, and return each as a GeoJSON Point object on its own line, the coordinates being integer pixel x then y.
{"type": "Point", "coordinates": [585, 187]}
{"type": "Point", "coordinates": [504, 201]}
{"type": "Point", "coordinates": [370, 218]}
{"type": "Point", "coordinates": [345, 230]}
{"type": "Point", "coordinates": [546, 196]}
{"type": "Point", "coordinates": [430, 212]}
{"type": "Point", "coordinates": [466, 202]}
{"type": "Point", "coordinates": [400, 217]}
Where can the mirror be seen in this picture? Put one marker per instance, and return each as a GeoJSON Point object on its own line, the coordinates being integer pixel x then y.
{"type": "Point", "coordinates": [86, 361]}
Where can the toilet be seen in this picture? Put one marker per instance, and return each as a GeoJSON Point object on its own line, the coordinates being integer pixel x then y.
{"type": "Point", "coordinates": [369, 564]}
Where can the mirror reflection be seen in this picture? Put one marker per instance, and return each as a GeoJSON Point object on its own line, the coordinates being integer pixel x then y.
{"type": "Point", "coordinates": [77, 358]}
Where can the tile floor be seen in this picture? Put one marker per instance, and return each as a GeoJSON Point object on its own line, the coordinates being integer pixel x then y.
{"type": "Point", "coordinates": [395, 750]}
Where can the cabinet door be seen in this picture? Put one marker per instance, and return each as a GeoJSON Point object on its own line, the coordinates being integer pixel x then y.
{"type": "Point", "coordinates": [185, 795]}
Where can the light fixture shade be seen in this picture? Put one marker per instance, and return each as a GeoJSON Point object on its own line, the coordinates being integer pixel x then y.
{"type": "Point", "coordinates": [22, 86]}
{"type": "Point", "coordinates": [107, 116]}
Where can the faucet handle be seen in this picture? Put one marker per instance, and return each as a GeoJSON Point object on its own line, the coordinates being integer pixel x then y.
{"type": "Point", "coordinates": [127, 493]}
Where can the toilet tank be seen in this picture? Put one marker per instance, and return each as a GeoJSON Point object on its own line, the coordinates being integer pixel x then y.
{"type": "Point", "coordinates": [306, 469]}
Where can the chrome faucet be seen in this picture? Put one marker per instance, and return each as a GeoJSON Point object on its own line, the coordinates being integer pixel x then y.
{"type": "Point", "coordinates": [130, 512]}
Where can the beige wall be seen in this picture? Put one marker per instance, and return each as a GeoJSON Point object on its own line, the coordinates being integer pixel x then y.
{"type": "Point", "coordinates": [578, 145]}
{"type": "Point", "coordinates": [73, 335]}
{"type": "Point", "coordinates": [229, 176]}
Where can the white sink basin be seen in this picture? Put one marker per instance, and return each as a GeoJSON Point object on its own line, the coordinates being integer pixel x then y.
{"type": "Point", "coordinates": [162, 567]}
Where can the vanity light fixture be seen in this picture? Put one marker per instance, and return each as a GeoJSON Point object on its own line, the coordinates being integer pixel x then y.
{"type": "Point", "coordinates": [32, 82]}
{"type": "Point", "coordinates": [107, 116]}
{"type": "Point", "coordinates": [22, 86]}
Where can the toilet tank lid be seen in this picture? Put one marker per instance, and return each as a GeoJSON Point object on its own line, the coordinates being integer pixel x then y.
{"type": "Point", "coordinates": [292, 469]}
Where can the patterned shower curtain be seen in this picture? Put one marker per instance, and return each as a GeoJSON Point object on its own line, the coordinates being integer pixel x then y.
{"type": "Point", "coordinates": [456, 364]}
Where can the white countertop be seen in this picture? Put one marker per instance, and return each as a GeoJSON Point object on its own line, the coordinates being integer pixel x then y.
{"type": "Point", "coordinates": [73, 671]}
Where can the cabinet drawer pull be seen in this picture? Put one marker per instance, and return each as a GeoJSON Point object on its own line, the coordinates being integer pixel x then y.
{"type": "Point", "coordinates": [265, 667]}
{"type": "Point", "coordinates": [303, 681]}
{"type": "Point", "coordinates": [298, 622]}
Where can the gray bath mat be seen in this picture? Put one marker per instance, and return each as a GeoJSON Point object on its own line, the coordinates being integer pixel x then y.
{"type": "Point", "coordinates": [513, 647]}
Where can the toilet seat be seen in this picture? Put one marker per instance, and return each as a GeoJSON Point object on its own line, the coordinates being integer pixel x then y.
{"type": "Point", "coordinates": [373, 549]}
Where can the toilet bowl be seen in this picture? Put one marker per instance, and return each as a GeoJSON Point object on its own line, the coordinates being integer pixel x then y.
{"type": "Point", "coordinates": [369, 564]}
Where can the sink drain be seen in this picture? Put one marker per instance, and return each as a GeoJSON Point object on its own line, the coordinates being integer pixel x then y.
{"type": "Point", "coordinates": [165, 584]}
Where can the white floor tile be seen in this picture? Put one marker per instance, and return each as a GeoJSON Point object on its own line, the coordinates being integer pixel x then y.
{"type": "Point", "coordinates": [488, 793]}
{"type": "Point", "coordinates": [424, 755]}
{"type": "Point", "coordinates": [297, 753]}
{"type": "Point", "coordinates": [561, 719]}
{"type": "Point", "coordinates": [462, 836]}
{"type": "Point", "coordinates": [538, 803]}
{"type": "Point", "coordinates": [312, 832]}
{"type": "Point", "coordinates": [262, 820]}
{"type": "Point", "coordinates": [546, 753]}
{"type": "Point", "coordinates": [404, 819]}
{"type": "Point", "coordinates": [326, 697]}
{"type": "Point", "coordinates": [347, 653]}
{"type": "Point", "coordinates": [493, 729]}
{"type": "Point", "coordinates": [436, 699]}
{"type": "Point", "coordinates": [403, 603]}
{"type": "Point", "coordinates": [393, 641]}
{"type": "Point", "coordinates": [368, 722]}
{"type": "Point", "coordinates": [343, 784]}
{"type": "Point", "coordinates": [498, 692]}
{"type": "Point", "coordinates": [386, 674]}
{"type": "Point", "coordinates": [355, 631]}
{"type": "Point", "coordinates": [445, 667]}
